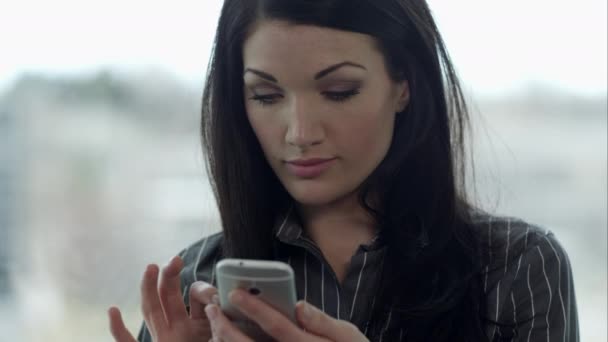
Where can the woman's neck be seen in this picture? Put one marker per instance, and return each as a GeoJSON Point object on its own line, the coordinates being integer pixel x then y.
{"type": "Point", "coordinates": [338, 229]}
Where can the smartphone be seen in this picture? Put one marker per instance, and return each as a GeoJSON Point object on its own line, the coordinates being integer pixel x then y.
{"type": "Point", "coordinates": [271, 281]}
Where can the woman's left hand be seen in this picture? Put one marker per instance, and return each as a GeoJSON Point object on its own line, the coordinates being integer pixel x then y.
{"type": "Point", "coordinates": [319, 326]}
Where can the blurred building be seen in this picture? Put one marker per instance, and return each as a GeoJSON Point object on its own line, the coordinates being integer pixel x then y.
{"type": "Point", "coordinates": [8, 179]}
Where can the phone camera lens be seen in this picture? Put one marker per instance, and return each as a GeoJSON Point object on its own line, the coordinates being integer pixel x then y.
{"type": "Point", "coordinates": [254, 291]}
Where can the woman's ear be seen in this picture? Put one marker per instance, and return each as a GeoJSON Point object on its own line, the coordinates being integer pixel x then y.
{"type": "Point", "coordinates": [403, 96]}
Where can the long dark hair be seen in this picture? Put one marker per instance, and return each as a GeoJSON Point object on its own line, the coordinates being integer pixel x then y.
{"type": "Point", "coordinates": [430, 277]}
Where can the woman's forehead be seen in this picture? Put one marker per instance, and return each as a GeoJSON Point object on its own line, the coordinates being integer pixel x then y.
{"type": "Point", "coordinates": [278, 43]}
{"type": "Point", "coordinates": [271, 31]}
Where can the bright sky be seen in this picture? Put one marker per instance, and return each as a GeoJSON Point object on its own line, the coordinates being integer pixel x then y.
{"type": "Point", "coordinates": [496, 45]}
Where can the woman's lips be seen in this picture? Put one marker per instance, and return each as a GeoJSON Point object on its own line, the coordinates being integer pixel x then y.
{"type": "Point", "coordinates": [309, 168]}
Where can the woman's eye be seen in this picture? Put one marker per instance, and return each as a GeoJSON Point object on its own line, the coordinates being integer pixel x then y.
{"type": "Point", "coordinates": [341, 95]}
{"type": "Point", "coordinates": [337, 96]}
{"type": "Point", "coordinates": [265, 100]}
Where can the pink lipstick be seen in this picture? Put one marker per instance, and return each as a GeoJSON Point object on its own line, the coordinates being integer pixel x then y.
{"type": "Point", "coordinates": [309, 168]}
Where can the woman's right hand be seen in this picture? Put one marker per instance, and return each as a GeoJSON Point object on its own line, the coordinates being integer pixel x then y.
{"type": "Point", "coordinates": [164, 310]}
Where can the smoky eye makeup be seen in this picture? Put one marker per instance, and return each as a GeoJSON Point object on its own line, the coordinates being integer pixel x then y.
{"type": "Point", "coordinates": [341, 87]}
{"type": "Point", "coordinates": [332, 90]}
{"type": "Point", "coordinates": [341, 90]}
{"type": "Point", "coordinates": [262, 93]}
{"type": "Point", "coordinates": [262, 90]}
{"type": "Point", "coordinates": [340, 84]}
{"type": "Point", "coordinates": [339, 96]}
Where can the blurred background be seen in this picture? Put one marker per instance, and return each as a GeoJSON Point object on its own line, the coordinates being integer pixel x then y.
{"type": "Point", "coordinates": [101, 170]}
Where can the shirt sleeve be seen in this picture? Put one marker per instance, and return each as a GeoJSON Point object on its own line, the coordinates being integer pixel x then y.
{"type": "Point", "coordinates": [144, 334]}
{"type": "Point", "coordinates": [541, 303]}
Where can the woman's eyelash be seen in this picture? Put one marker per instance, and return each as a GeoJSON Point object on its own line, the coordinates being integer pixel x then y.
{"type": "Point", "coordinates": [341, 95]}
{"type": "Point", "coordinates": [337, 96]}
{"type": "Point", "coordinates": [265, 100]}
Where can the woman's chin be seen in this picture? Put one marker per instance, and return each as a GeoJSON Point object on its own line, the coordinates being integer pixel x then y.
{"type": "Point", "coordinates": [311, 196]}
{"type": "Point", "coordinates": [315, 194]}
{"type": "Point", "coordinates": [309, 199]}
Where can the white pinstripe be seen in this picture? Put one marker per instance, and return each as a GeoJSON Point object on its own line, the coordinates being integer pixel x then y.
{"type": "Point", "coordinates": [322, 286]}
{"type": "Point", "coordinates": [497, 304]}
{"type": "Point", "coordinates": [568, 281]}
{"type": "Point", "coordinates": [485, 283]}
{"type": "Point", "coordinates": [305, 279]}
{"type": "Point", "coordinates": [184, 253]}
{"type": "Point", "coordinates": [372, 310]}
{"type": "Point", "coordinates": [550, 292]}
{"type": "Point", "coordinates": [514, 315]}
{"type": "Point", "coordinates": [532, 303]}
{"type": "Point", "coordinates": [213, 269]}
{"type": "Point", "coordinates": [388, 322]}
{"type": "Point", "coordinates": [284, 221]}
{"type": "Point", "coordinates": [374, 298]}
{"type": "Point", "coordinates": [338, 296]}
{"type": "Point", "coordinates": [184, 293]}
{"type": "Point", "coordinates": [518, 266]}
{"type": "Point", "coordinates": [352, 308]}
{"type": "Point", "coordinates": [198, 258]}
{"type": "Point", "coordinates": [559, 283]}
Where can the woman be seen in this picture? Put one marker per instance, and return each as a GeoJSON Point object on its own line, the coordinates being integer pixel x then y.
{"type": "Point", "coordinates": [334, 132]}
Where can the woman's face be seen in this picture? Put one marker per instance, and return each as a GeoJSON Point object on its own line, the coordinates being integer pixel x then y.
{"type": "Point", "coordinates": [322, 106]}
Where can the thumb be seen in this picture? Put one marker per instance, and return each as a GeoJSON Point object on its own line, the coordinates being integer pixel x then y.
{"type": "Point", "coordinates": [201, 294]}
{"type": "Point", "coordinates": [321, 324]}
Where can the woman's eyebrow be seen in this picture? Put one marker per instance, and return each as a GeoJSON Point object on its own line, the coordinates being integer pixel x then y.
{"type": "Point", "coordinates": [261, 74]}
{"type": "Point", "coordinates": [335, 67]}
{"type": "Point", "coordinates": [318, 75]}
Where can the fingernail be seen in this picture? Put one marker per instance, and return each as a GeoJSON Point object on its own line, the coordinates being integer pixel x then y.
{"type": "Point", "coordinates": [306, 312]}
{"type": "Point", "coordinates": [211, 311]}
{"type": "Point", "coordinates": [172, 261]}
{"type": "Point", "coordinates": [215, 299]}
{"type": "Point", "coordinates": [150, 269]}
{"type": "Point", "coordinates": [197, 287]}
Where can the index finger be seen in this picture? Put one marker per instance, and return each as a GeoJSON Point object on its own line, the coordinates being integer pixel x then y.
{"type": "Point", "coordinates": [150, 303]}
{"type": "Point", "coordinates": [117, 327]}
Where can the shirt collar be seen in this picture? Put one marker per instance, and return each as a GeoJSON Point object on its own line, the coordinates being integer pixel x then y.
{"type": "Point", "coordinates": [287, 228]}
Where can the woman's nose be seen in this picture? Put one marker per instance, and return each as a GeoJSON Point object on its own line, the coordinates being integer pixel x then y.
{"type": "Point", "coordinates": [304, 129]}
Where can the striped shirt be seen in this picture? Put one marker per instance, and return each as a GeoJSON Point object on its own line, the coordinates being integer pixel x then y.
{"type": "Point", "coordinates": [527, 280]}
